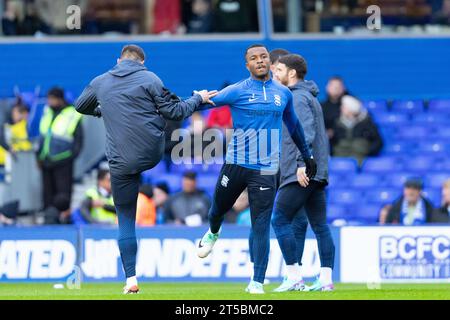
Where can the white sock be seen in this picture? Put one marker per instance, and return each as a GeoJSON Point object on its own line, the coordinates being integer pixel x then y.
{"type": "Point", "coordinates": [294, 272]}
{"type": "Point", "coordinates": [131, 281]}
{"type": "Point", "coordinates": [325, 276]}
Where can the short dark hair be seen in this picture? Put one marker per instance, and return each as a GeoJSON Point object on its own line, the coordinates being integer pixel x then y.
{"type": "Point", "coordinates": [101, 174]}
{"type": "Point", "coordinates": [56, 92]}
{"type": "Point", "coordinates": [255, 45]}
{"type": "Point", "coordinates": [336, 77]}
{"type": "Point", "coordinates": [163, 186]}
{"type": "Point", "coordinates": [295, 62]}
{"type": "Point", "coordinates": [276, 54]}
{"type": "Point", "coordinates": [191, 175]}
{"type": "Point", "coordinates": [414, 183]}
{"type": "Point", "coordinates": [21, 107]}
{"type": "Point", "coordinates": [133, 51]}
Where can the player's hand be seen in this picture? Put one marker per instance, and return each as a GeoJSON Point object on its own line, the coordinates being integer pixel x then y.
{"type": "Point", "coordinates": [207, 96]}
{"type": "Point", "coordinates": [98, 203]}
{"type": "Point", "coordinates": [98, 112]}
{"type": "Point", "coordinates": [302, 178]}
{"type": "Point", "coordinates": [311, 167]}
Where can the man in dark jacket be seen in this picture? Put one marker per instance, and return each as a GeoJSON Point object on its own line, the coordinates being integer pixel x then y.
{"type": "Point", "coordinates": [190, 206]}
{"type": "Point", "coordinates": [134, 105]}
{"type": "Point", "coordinates": [412, 208]}
{"type": "Point", "coordinates": [297, 191]}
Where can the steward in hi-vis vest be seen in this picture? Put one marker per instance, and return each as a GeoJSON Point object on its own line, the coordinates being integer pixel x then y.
{"type": "Point", "coordinates": [61, 139]}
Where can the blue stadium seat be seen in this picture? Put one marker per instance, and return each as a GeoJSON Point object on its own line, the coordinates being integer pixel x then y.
{"type": "Point", "coordinates": [434, 195]}
{"type": "Point", "coordinates": [413, 132]}
{"type": "Point", "coordinates": [365, 180]}
{"type": "Point", "coordinates": [388, 132]}
{"type": "Point", "coordinates": [408, 106]}
{"type": "Point", "coordinates": [337, 180]}
{"type": "Point", "coordinates": [434, 148]}
{"type": "Point", "coordinates": [439, 106]}
{"type": "Point", "coordinates": [382, 195]}
{"type": "Point", "coordinates": [421, 164]}
{"type": "Point", "coordinates": [343, 165]}
{"type": "Point", "coordinates": [207, 181]}
{"type": "Point", "coordinates": [398, 148]}
{"type": "Point", "coordinates": [445, 165]}
{"type": "Point", "coordinates": [397, 179]}
{"type": "Point", "coordinates": [337, 212]}
{"type": "Point", "coordinates": [375, 106]}
{"type": "Point", "coordinates": [199, 168]}
{"type": "Point", "coordinates": [390, 118]}
{"type": "Point", "coordinates": [381, 165]}
{"type": "Point", "coordinates": [344, 196]}
{"type": "Point", "coordinates": [368, 213]}
{"type": "Point", "coordinates": [431, 118]}
{"type": "Point", "coordinates": [443, 132]}
{"type": "Point", "coordinates": [435, 180]}
{"type": "Point", "coordinates": [149, 176]}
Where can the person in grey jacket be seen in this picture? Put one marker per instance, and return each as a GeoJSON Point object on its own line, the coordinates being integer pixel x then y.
{"type": "Point", "coordinates": [134, 104]}
{"type": "Point", "coordinates": [297, 191]}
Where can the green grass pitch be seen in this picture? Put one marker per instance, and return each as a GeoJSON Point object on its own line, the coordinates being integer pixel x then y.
{"type": "Point", "coordinates": [218, 291]}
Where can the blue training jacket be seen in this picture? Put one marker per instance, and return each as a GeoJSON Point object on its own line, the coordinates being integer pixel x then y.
{"type": "Point", "coordinates": [258, 109]}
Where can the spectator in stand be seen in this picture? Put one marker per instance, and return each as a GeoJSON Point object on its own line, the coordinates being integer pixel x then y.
{"type": "Point", "coordinates": [160, 196]}
{"type": "Point", "coordinates": [146, 209]}
{"type": "Point", "coordinates": [235, 16]}
{"type": "Point", "coordinates": [190, 206]}
{"type": "Point", "coordinates": [412, 208]}
{"type": "Point", "coordinates": [98, 205]}
{"type": "Point", "coordinates": [201, 17]}
{"type": "Point", "coordinates": [332, 105]}
{"type": "Point", "coordinates": [32, 23]}
{"type": "Point", "coordinates": [442, 214]}
{"type": "Point", "coordinates": [355, 133]}
{"type": "Point", "coordinates": [384, 213]}
{"type": "Point", "coordinates": [14, 137]}
{"type": "Point", "coordinates": [167, 16]}
{"type": "Point", "coordinates": [442, 17]}
{"type": "Point", "coordinates": [10, 18]}
{"type": "Point", "coordinates": [22, 168]}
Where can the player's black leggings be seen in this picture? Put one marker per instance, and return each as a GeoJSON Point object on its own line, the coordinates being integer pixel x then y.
{"type": "Point", "coordinates": [125, 188]}
{"type": "Point", "coordinates": [289, 222]}
{"type": "Point", "coordinates": [233, 180]}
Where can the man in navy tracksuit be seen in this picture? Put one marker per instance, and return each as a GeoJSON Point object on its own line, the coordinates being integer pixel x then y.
{"type": "Point", "coordinates": [299, 192]}
{"type": "Point", "coordinates": [259, 106]}
{"type": "Point", "coordinates": [134, 104]}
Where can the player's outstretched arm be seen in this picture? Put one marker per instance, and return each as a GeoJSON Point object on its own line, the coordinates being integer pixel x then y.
{"type": "Point", "coordinates": [172, 107]}
{"type": "Point", "coordinates": [226, 96]}
{"type": "Point", "coordinates": [87, 102]}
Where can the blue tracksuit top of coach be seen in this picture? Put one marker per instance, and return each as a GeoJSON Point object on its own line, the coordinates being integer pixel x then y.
{"type": "Point", "coordinates": [258, 109]}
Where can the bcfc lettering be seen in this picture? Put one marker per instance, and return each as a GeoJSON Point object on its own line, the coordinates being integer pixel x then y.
{"type": "Point", "coordinates": [420, 247]}
{"type": "Point", "coordinates": [36, 259]}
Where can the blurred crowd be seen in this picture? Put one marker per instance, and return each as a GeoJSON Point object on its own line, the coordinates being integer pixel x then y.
{"type": "Point", "coordinates": [46, 162]}
{"type": "Point", "coordinates": [28, 17]}
{"type": "Point", "coordinates": [34, 17]}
